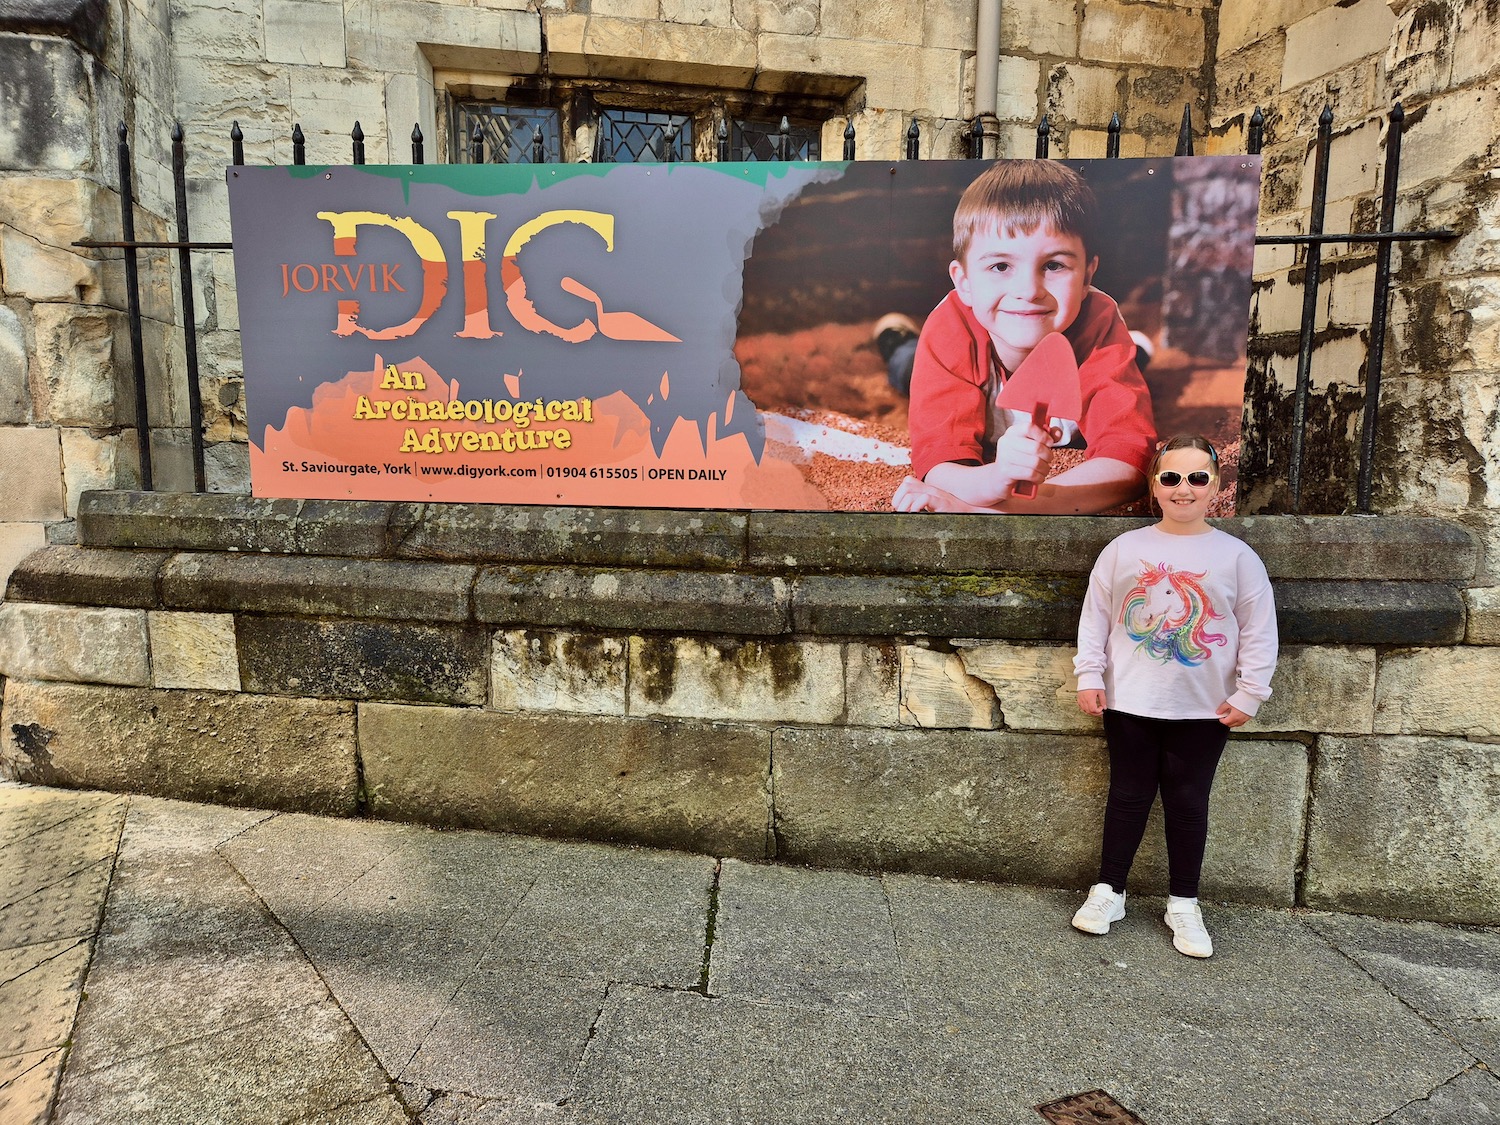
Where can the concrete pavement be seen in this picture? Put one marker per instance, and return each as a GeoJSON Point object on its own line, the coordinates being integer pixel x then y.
{"type": "Point", "coordinates": [165, 962]}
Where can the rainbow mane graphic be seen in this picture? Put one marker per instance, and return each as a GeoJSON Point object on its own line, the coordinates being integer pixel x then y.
{"type": "Point", "coordinates": [1167, 612]}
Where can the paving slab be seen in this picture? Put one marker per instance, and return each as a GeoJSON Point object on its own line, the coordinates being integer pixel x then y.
{"type": "Point", "coordinates": [821, 939]}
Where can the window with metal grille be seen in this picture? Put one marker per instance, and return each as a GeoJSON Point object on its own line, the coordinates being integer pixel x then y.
{"type": "Point", "coordinates": [507, 133]}
{"type": "Point", "coordinates": [629, 122]}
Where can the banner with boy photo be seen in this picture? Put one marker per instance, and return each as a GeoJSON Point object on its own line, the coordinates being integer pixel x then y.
{"type": "Point", "coordinates": [793, 336]}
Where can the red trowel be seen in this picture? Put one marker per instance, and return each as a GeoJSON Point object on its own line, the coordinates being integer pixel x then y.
{"type": "Point", "coordinates": [1045, 386]}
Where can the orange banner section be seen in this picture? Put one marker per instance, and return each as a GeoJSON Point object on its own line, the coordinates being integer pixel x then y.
{"type": "Point", "coordinates": [406, 433]}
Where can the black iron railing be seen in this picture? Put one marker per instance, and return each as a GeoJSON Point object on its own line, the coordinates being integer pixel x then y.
{"type": "Point", "coordinates": [665, 147]}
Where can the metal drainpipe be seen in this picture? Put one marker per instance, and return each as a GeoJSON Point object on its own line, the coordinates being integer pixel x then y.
{"type": "Point", "coordinates": [986, 72]}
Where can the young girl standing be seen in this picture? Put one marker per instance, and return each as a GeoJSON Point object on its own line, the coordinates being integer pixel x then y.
{"type": "Point", "coordinates": [1176, 646]}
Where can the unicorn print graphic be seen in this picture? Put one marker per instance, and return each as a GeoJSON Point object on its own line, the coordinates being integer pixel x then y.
{"type": "Point", "coordinates": [1167, 614]}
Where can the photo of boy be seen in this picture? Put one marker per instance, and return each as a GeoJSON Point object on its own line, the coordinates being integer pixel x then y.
{"type": "Point", "coordinates": [1025, 239]}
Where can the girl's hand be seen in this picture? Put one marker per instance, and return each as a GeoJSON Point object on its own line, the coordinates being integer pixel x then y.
{"type": "Point", "coordinates": [1232, 716]}
{"type": "Point", "coordinates": [1091, 701]}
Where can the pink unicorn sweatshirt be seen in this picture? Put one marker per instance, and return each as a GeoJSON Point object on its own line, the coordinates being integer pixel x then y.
{"type": "Point", "coordinates": [1175, 625]}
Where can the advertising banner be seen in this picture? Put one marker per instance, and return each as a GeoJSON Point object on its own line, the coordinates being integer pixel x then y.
{"type": "Point", "coordinates": [767, 335]}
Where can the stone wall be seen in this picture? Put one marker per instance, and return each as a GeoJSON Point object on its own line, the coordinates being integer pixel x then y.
{"type": "Point", "coordinates": [751, 685]}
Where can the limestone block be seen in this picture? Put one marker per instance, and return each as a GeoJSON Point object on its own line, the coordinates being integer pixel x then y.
{"type": "Point", "coordinates": [872, 685]}
{"type": "Point", "coordinates": [92, 462]}
{"type": "Point", "coordinates": [57, 212]}
{"type": "Point", "coordinates": [31, 473]}
{"type": "Point", "coordinates": [1256, 825]}
{"type": "Point", "coordinates": [1139, 33]}
{"type": "Point", "coordinates": [38, 272]}
{"type": "Point", "coordinates": [694, 786]}
{"type": "Point", "coordinates": [1354, 162]}
{"type": "Point", "coordinates": [1041, 29]}
{"type": "Point", "coordinates": [921, 79]}
{"type": "Point", "coordinates": [1406, 827]}
{"type": "Point", "coordinates": [220, 92]}
{"type": "Point", "coordinates": [45, 82]}
{"type": "Point", "coordinates": [165, 354]}
{"type": "Point", "coordinates": [345, 659]}
{"type": "Point", "coordinates": [883, 21]}
{"type": "Point", "coordinates": [1092, 144]}
{"type": "Point", "coordinates": [1484, 616]}
{"type": "Point", "coordinates": [193, 650]}
{"type": "Point", "coordinates": [1087, 94]}
{"type": "Point", "coordinates": [73, 575]}
{"type": "Point", "coordinates": [737, 680]}
{"type": "Point", "coordinates": [777, 17]}
{"type": "Point", "coordinates": [383, 37]}
{"type": "Point", "coordinates": [15, 400]}
{"type": "Point", "coordinates": [626, 9]}
{"type": "Point", "coordinates": [937, 691]}
{"type": "Point", "coordinates": [291, 754]}
{"type": "Point", "coordinates": [661, 52]}
{"type": "Point", "coordinates": [226, 31]}
{"type": "Point", "coordinates": [1243, 24]}
{"type": "Point", "coordinates": [1016, 808]}
{"type": "Point", "coordinates": [949, 23]}
{"type": "Point", "coordinates": [408, 102]}
{"type": "Point", "coordinates": [79, 643]}
{"type": "Point", "coordinates": [308, 32]}
{"type": "Point", "coordinates": [1320, 689]}
{"type": "Point", "coordinates": [1033, 683]}
{"type": "Point", "coordinates": [79, 375]}
{"type": "Point", "coordinates": [17, 540]}
{"type": "Point", "coordinates": [715, 13]}
{"type": "Point", "coordinates": [1156, 100]}
{"type": "Point", "coordinates": [226, 467]}
{"type": "Point", "coordinates": [540, 670]}
{"type": "Point", "coordinates": [1333, 37]}
{"type": "Point", "coordinates": [331, 101]}
{"type": "Point", "coordinates": [1016, 88]}
{"type": "Point", "coordinates": [1473, 42]}
{"type": "Point", "coordinates": [1453, 691]}
{"type": "Point", "coordinates": [1441, 141]}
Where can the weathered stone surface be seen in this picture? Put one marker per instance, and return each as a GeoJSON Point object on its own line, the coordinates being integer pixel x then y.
{"type": "Point", "coordinates": [732, 679]}
{"type": "Point", "coordinates": [1439, 691]}
{"type": "Point", "coordinates": [79, 643]}
{"type": "Point", "coordinates": [315, 586]}
{"type": "Point", "coordinates": [47, 81]}
{"type": "Point", "coordinates": [31, 473]}
{"type": "Point", "coordinates": [937, 691]}
{"type": "Point", "coordinates": [872, 685]}
{"type": "Point", "coordinates": [86, 576]}
{"type": "Point", "coordinates": [1328, 39]}
{"type": "Point", "coordinates": [539, 670]}
{"type": "Point", "coordinates": [1320, 689]}
{"type": "Point", "coordinates": [1406, 827]}
{"type": "Point", "coordinates": [576, 536]}
{"type": "Point", "coordinates": [193, 650]}
{"type": "Point", "coordinates": [93, 460]}
{"type": "Point", "coordinates": [1366, 613]}
{"type": "Point", "coordinates": [17, 541]}
{"type": "Point", "coordinates": [1018, 808]}
{"type": "Point", "coordinates": [1136, 33]}
{"type": "Point", "coordinates": [15, 397]}
{"type": "Point", "coordinates": [701, 787]}
{"type": "Point", "coordinates": [202, 521]}
{"type": "Point", "coordinates": [1353, 547]}
{"type": "Point", "coordinates": [1039, 29]}
{"type": "Point", "coordinates": [39, 272]}
{"type": "Point", "coordinates": [665, 600]}
{"type": "Point", "coordinates": [1033, 685]}
{"type": "Point", "coordinates": [353, 659]}
{"type": "Point", "coordinates": [312, 34]}
{"type": "Point", "coordinates": [1483, 608]}
{"type": "Point", "coordinates": [277, 753]}
{"type": "Point", "coordinates": [1001, 605]}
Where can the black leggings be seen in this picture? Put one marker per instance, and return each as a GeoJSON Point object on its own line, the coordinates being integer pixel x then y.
{"type": "Point", "coordinates": [1179, 757]}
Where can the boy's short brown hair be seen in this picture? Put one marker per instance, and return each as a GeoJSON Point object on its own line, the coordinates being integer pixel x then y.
{"type": "Point", "coordinates": [1022, 195]}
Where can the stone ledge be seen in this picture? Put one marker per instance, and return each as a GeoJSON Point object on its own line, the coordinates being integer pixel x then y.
{"type": "Point", "coordinates": [1020, 607]}
{"type": "Point", "coordinates": [626, 600]}
{"type": "Point", "coordinates": [83, 21]}
{"type": "Point", "coordinates": [314, 585]}
{"type": "Point", "coordinates": [88, 576]}
{"type": "Point", "coordinates": [1370, 613]}
{"type": "Point", "coordinates": [1308, 548]}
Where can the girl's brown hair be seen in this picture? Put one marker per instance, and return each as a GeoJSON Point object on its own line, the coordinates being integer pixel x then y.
{"type": "Point", "coordinates": [1175, 442]}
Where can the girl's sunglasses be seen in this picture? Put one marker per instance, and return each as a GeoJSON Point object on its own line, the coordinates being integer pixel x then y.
{"type": "Point", "coordinates": [1170, 478]}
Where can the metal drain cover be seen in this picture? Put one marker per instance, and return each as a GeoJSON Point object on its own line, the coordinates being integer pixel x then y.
{"type": "Point", "coordinates": [1092, 1107]}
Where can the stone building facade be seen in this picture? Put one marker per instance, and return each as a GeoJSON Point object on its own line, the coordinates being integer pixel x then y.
{"type": "Point", "coordinates": [1390, 719]}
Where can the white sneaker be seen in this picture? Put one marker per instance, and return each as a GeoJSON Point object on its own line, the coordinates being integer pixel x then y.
{"type": "Point", "coordinates": [1188, 934]}
{"type": "Point", "coordinates": [1102, 907]}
